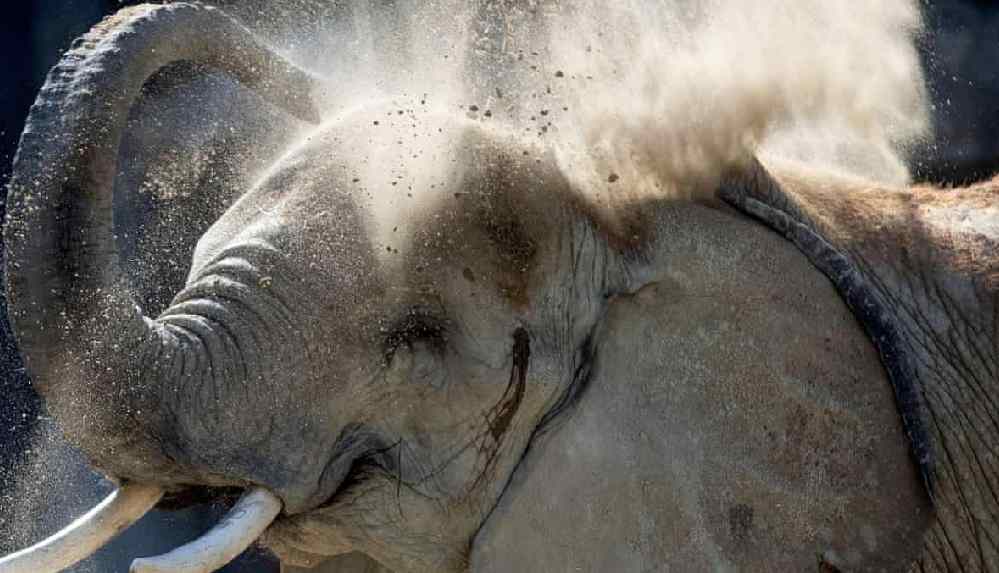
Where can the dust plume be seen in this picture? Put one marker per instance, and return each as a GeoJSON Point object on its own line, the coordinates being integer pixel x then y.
{"type": "Point", "coordinates": [662, 96]}
{"type": "Point", "coordinates": [683, 90]}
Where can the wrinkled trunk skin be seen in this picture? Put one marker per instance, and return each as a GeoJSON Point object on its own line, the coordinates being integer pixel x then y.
{"type": "Point", "coordinates": [920, 269]}
{"type": "Point", "coordinates": [181, 161]}
{"type": "Point", "coordinates": [92, 353]}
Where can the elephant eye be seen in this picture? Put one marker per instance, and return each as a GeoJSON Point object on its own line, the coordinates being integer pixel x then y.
{"type": "Point", "coordinates": [417, 325]}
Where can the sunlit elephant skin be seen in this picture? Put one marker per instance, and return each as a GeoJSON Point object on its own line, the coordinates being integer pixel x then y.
{"type": "Point", "coordinates": [424, 336]}
{"type": "Point", "coordinates": [754, 420]}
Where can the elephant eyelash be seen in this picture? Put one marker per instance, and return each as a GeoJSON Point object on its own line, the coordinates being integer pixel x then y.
{"type": "Point", "coordinates": [416, 326]}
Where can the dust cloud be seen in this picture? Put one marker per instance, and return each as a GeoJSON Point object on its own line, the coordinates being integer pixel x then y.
{"type": "Point", "coordinates": [660, 97]}
{"type": "Point", "coordinates": [687, 89]}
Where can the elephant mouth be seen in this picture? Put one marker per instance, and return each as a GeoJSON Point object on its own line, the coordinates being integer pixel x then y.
{"type": "Point", "coordinates": [309, 538]}
{"type": "Point", "coordinates": [224, 497]}
{"type": "Point", "coordinates": [359, 456]}
{"type": "Point", "coordinates": [358, 453]}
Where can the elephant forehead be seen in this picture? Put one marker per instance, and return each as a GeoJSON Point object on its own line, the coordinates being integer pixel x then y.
{"type": "Point", "coordinates": [416, 205]}
{"type": "Point", "coordinates": [350, 188]}
{"type": "Point", "coordinates": [397, 164]}
{"type": "Point", "coordinates": [423, 189]}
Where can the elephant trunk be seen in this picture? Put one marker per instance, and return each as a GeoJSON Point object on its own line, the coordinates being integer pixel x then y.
{"type": "Point", "coordinates": [67, 294]}
{"type": "Point", "coordinates": [83, 337]}
{"type": "Point", "coordinates": [92, 353]}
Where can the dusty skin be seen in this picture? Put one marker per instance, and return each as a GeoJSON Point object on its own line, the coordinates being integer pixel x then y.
{"type": "Point", "coordinates": [450, 344]}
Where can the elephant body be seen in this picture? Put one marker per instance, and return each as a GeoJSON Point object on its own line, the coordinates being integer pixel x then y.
{"type": "Point", "coordinates": [430, 340]}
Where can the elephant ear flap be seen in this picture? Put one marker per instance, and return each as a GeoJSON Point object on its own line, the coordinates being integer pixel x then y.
{"type": "Point", "coordinates": [920, 269]}
{"type": "Point", "coordinates": [192, 146]}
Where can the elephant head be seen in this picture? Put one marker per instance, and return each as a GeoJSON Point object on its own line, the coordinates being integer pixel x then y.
{"type": "Point", "coordinates": [372, 337]}
{"type": "Point", "coordinates": [374, 360]}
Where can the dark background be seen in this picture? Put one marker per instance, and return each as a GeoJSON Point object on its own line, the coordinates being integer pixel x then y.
{"type": "Point", "coordinates": [960, 54]}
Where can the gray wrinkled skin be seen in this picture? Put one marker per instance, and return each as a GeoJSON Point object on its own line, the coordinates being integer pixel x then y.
{"type": "Point", "coordinates": [208, 124]}
{"type": "Point", "coordinates": [438, 353]}
{"type": "Point", "coordinates": [918, 267]}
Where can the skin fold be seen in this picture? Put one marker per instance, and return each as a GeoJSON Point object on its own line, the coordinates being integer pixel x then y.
{"type": "Point", "coordinates": [438, 350]}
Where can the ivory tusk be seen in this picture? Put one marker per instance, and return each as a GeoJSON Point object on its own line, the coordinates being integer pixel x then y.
{"type": "Point", "coordinates": [87, 534]}
{"type": "Point", "coordinates": [247, 520]}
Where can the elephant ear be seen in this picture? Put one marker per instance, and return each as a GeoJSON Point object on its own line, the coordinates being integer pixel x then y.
{"type": "Point", "coordinates": [734, 416]}
{"type": "Point", "coordinates": [193, 145]}
{"type": "Point", "coordinates": [920, 270]}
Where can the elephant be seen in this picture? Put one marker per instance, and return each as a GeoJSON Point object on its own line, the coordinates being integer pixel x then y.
{"type": "Point", "coordinates": [417, 337]}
